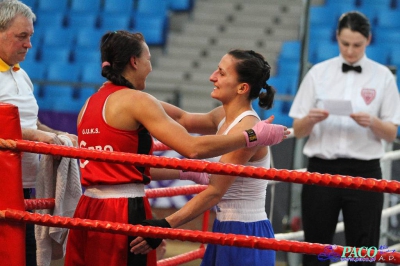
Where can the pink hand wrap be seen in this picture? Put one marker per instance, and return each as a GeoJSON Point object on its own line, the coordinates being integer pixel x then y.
{"type": "Point", "coordinates": [264, 134]}
{"type": "Point", "coordinates": [199, 178]}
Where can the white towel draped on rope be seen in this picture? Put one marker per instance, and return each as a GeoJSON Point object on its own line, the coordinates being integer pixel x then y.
{"type": "Point", "coordinates": [58, 179]}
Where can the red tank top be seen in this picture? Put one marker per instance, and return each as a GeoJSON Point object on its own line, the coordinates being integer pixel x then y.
{"type": "Point", "coordinates": [95, 134]}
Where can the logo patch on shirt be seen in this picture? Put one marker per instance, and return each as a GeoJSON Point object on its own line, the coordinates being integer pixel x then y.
{"type": "Point", "coordinates": [368, 95]}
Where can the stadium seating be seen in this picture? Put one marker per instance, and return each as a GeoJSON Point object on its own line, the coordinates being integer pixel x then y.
{"type": "Point", "coordinates": [323, 16]}
{"type": "Point", "coordinates": [91, 73]}
{"type": "Point", "coordinates": [288, 67]}
{"type": "Point", "coordinates": [118, 7]}
{"type": "Point", "coordinates": [35, 70]}
{"type": "Point", "coordinates": [89, 6]}
{"type": "Point", "coordinates": [110, 22]}
{"type": "Point", "coordinates": [52, 5]}
{"type": "Point", "coordinates": [378, 53]}
{"type": "Point", "coordinates": [376, 4]}
{"type": "Point", "coordinates": [325, 50]}
{"type": "Point", "coordinates": [89, 37]}
{"type": "Point", "coordinates": [394, 59]}
{"type": "Point", "coordinates": [31, 56]}
{"type": "Point", "coordinates": [54, 54]}
{"type": "Point", "coordinates": [290, 50]}
{"type": "Point", "coordinates": [155, 7]}
{"type": "Point", "coordinates": [31, 3]}
{"type": "Point", "coordinates": [84, 55]}
{"type": "Point", "coordinates": [153, 27]}
{"type": "Point", "coordinates": [387, 35]}
{"type": "Point", "coordinates": [389, 19]}
{"type": "Point", "coordinates": [58, 37]}
{"type": "Point", "coordinates": [181, 5]}
{"type": "Point", "coordinates": [46, 18]}
{"type": "Point", "coordinates": [79, 19]}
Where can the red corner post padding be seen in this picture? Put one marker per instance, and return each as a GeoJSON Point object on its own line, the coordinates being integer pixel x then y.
{"type": "Point", "coordinates": [12, 235]}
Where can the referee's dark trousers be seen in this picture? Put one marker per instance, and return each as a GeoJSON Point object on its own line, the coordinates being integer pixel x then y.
{"type": "Point", "coordinates": [361, 209]}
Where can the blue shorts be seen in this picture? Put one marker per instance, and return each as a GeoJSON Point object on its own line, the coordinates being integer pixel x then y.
{"type": "Point", "coordinates": [230, 255]}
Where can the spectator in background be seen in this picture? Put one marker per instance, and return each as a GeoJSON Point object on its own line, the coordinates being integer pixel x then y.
{"type": "Point", "coordinates": [346, 144]}
{"type": "Point", "coordinates": [16, 29]}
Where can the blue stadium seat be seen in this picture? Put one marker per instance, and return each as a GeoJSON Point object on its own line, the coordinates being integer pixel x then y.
{"type": "Point", "coordinates": [58, 37]}
{"type": "Point", "coordinates": [340, 2]}
{"type": "Point", "coordinates": [378, 53]}
{"type": "Point", "coordinates": [288, 67]}
{"type": "Point", "coordinates": [36, 39]}
{"type": "Point", "coordinates": [118, 7]}
{"type": "Point", "coordinates": [389, 19]}
{"type": "Point", "coordinates": [31, 56]}
{"type": "Point", "coordinates": [91, 73]}
{"type": "Point", "coordinates": [395, 60]}
{"type": "Point", "coordinates": [85, 93]}
{"type": "Point", "coordinates": [153, 27]}
{"type": "Point", "coordinates": [371, 13]}
{"type": "Point", "coordinates": [89, 37]}
{"type": "Point", "coordinates": [396, 4]}
{"type": "Point", "coordinates": [64, 72]}
{"type": "Point", "coordinates": [280, 84]}
{"type": "Point", "coordinates": [323, 15]}
{"type": "Point", "coordinates": [280, 110]}
{"type": "Point", "coordinates": [55, 54]}
{"type": "Point", "coordinates": [52, 5]}
{"type": "Point", "coordinates": [326, 50]}
{"type": "Point", "coordinates": [181, 5]}
{"type": "Point", "coordinates": [84, 55]}
{"type": "Point", "coordinates": [35, 70]}
{"type": "Point", "coordinates": [377, 4]}
{"type": "Point", "coordinates": [285, 84]}
{"type": "Point", "coordinates": [156, 7]}
{"type": "Point", "coordinates": [31, 3]}
{"type": "Point", "coordinates": [79, 19]}
{"type": "Point", "coordinates": [59, 99]}
{"type": "Point", "coordinates": [110, 22]}
{"type": "Point", "coordinates": [387, 35]}
{"type": "Point", "coordinates": [89, 6]}
{"type": "Point", "coordinates": [46, 18]}
{"type": "Point", "coordinates": [290, 50]}
{"type": "Point", "coordinates": [340, 6]}
{"type": "Point", "coordinates": [322, 33]}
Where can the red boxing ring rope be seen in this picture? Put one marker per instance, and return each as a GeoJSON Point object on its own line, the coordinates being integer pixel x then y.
{"type": "Point", "coordinates": [19, 216]}
{"type": "Point", "coordinates": [370, 184]}
{"type": "Point", "coordinates": [181, 234]}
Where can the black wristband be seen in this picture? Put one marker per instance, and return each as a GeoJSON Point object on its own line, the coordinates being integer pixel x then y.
{"type": "Point", "coordinates": [252, 135]}
{"type": "Point", "coordinates": [155, 242]}
{"type": "Point", "coordinates": [159, 223]}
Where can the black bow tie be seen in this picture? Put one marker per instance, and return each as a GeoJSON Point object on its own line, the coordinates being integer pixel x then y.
{"type": "Point", "coordinates": [346, 67]}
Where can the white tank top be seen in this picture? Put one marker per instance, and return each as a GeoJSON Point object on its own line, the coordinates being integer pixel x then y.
{"type": "Point", "coordinates": [245, 199]}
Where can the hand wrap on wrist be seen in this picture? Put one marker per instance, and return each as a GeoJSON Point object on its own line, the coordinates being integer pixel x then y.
{"type": "Point", "coordinates": [197, 177]}
{"type": "Point", "coordinates": [155, 242]}
{"type": "Point", "coordinates": [264, 134]}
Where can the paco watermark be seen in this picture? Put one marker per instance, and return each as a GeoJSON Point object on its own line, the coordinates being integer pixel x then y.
{"type": "Point", "coordinates": [368, 254]}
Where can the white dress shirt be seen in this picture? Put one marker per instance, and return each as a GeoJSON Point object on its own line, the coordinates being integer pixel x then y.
{"type": "Point", "coordinates": [373, 91]}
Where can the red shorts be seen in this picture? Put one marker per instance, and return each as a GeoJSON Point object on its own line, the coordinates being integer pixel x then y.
{"type": "Point", "coordinates": [90, 248]}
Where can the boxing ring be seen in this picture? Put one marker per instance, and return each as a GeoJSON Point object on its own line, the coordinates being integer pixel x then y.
{"type": "Point", "coordinates": [13, 214]}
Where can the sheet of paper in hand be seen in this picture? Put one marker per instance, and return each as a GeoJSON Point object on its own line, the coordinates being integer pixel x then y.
{"type": "Point", "coordinates": [338, 107]}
